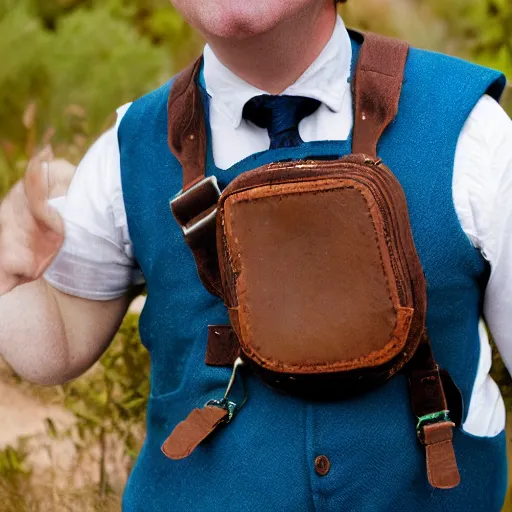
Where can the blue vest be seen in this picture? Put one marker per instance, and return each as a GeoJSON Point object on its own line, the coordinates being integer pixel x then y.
{"type": "Point", "coordinates": [264, 460]}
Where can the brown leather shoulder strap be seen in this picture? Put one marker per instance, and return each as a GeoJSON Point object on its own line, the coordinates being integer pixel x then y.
{"type": "Point", "coordinates": [186, 125]}
{"type": "Point", "coordinates": [195, 206]}
{"type": "Point", "coordinates": [377, 89]}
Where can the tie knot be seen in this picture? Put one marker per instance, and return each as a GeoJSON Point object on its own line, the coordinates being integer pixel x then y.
{"type": "Point", "coordinates": [281, 116]}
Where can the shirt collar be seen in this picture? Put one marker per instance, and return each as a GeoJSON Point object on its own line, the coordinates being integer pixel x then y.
{"type": "Point", "coordinates": [322, 80]}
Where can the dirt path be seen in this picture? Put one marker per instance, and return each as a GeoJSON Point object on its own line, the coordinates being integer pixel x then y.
{"type": "Point", "coordinates": [21, 415]}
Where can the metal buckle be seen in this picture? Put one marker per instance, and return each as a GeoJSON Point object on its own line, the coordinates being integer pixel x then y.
{"type": "Point", "coordinates": [214, 190]}
{"type": "Point", "coordinates": [209, 179]}
{"type": "Point", "coordinates": [429, 419]}
{"type": "Point", "coordinates": [187, 230]}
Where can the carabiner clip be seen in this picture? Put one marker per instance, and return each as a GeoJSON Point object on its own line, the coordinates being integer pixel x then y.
{"type": "Point", "coordinates": [225, 403]}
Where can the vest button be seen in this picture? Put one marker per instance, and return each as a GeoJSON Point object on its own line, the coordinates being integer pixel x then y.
{"type": "Point", "coordinates": [322, 465]}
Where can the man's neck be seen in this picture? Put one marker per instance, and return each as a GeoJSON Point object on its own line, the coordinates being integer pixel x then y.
{"type": "Point", "coordinates": [275, 60]}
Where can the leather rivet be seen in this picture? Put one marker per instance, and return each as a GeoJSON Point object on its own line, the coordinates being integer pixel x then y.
{"type": "Point", "coordinates": [322, 465]}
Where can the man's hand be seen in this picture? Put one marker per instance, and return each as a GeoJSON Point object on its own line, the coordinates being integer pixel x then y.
{"type": "Point", "coordinates": [31, 231]}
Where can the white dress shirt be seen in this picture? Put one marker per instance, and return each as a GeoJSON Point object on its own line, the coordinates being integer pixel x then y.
{"type": "Point", "coordinates": [97, 260]}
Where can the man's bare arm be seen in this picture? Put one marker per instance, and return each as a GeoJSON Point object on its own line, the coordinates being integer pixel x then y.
{"type": "Point", "coordinates": [49, 337]}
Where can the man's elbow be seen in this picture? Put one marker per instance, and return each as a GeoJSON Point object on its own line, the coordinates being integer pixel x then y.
{"type": "Point", "coordinates": [48, 373]}
{"type": "Point", "coordinates": [44, 378]}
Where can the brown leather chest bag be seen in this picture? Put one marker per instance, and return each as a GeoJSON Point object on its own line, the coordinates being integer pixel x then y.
{"type": "Point", "coordinates": [316, 264]}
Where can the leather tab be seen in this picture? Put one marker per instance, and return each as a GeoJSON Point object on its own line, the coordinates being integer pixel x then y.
{"type": "Point", "coordinates": [190, 433]}
{"type": "Point", "coordinates": [441, 463]}
{"type": "Point", "coordinates": [223, 347]}
{"type": "Point", "coordinates": [377, 89]}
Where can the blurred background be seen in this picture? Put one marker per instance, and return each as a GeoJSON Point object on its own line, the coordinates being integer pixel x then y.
{"type": "Point", "coordinates": [65, 66]}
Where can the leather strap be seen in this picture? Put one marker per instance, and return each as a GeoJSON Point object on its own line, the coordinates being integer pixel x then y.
{"type": "Point", "coordinates": [428, 400]}
{"type": "Point", "coordinates": [200, 232]}
{"type": "Point", "coordinates": [191, 432]}
{"type": "Point", "coordinates": [195, 207]}
{"type": "Point", "coordinates": [377, 89]}
{"type": "Point", "coordinates": [186, 129]}
{"type": "Point", "coordinates": [223, 347]}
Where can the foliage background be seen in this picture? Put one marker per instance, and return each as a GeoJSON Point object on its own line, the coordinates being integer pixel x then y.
{"type": "Point", "coordinates": [65, 66]}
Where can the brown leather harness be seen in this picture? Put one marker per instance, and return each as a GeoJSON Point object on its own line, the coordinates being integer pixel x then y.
{"type": "Point", "coordinates": [197, 209]}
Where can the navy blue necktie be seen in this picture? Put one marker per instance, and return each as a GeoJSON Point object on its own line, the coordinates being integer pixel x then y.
{"type": "Point", "coordinates": [281, 116]}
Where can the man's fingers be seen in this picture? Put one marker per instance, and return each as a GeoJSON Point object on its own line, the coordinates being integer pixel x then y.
{"type": "Point", "coordinates": [36, 182]}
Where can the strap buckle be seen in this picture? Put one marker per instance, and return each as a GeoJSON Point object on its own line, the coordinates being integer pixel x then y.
{"type": "Point", "coordinates": [190, 229]}
{"type": "Point", "coordinates": [196, 207]}
{"type": "Point", "coordinates": [429, 419]}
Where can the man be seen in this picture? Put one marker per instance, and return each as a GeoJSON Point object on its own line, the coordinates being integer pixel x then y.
{"type": "Point", "coordinates": [281, 453]}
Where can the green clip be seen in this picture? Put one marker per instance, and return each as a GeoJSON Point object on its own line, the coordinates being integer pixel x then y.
{"type": "Point", "coordinates": [429, 419]}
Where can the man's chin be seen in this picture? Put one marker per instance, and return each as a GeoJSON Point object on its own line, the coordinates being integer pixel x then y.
{"type": "Point", "coordinates": [238, 28]}
{"type": "Point", "coordinates": [243, 19]}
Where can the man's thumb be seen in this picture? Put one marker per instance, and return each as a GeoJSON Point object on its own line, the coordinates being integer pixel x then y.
{"type": "Point", "coordinates": [36, 183]}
